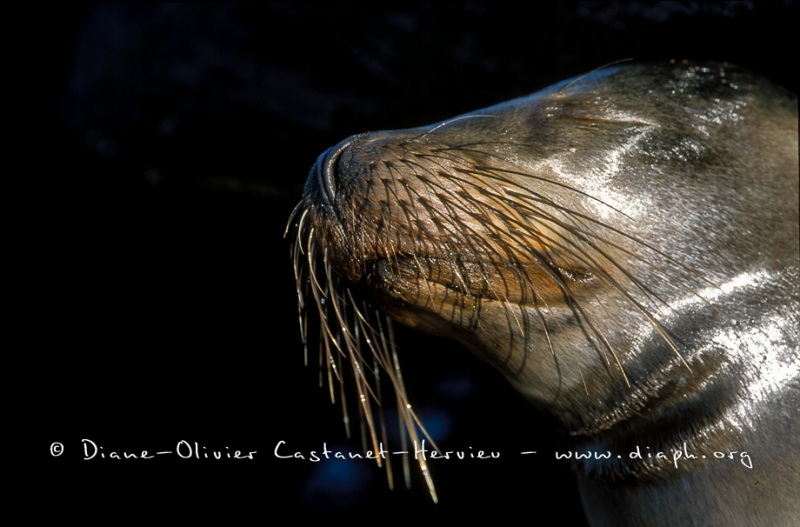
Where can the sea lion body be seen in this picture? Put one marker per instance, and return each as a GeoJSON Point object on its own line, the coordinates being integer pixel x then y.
{"type": "Point", "coordinates": [623, 247]}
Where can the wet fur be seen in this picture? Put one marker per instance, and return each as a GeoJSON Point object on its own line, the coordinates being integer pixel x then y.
{"type": "Point", "coordinates": [623, 246]}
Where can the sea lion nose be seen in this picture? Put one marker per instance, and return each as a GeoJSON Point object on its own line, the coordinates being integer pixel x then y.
{"type": "Point", "coordinates": [335, 169]}
{"type": "Point", "coordinates": [321, 183]}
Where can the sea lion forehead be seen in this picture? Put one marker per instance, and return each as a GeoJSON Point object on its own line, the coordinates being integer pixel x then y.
{"type": "Point", "coordinates": [635, 87]}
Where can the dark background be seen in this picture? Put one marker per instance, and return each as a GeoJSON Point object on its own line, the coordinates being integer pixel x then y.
{"type": "Point", "coordinates": [158, 300]}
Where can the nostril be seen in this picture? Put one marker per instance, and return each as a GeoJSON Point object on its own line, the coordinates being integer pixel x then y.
{"type": "Point", "coordinates": [326, 172]}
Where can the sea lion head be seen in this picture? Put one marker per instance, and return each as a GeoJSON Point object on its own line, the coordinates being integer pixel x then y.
{"type": "Point", "coordinates": [577, 238]}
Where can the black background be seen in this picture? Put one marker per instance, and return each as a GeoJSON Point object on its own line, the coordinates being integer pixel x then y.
{"type": "Point", "coordinates": [158, 301]}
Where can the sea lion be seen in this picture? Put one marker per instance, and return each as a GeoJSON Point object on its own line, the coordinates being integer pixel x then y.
{"type": "Point", "coordinates": [622, 246]}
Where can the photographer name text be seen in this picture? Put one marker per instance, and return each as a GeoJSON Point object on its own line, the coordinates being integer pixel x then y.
{"type": "Point", "coordinates": [90, 450]}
